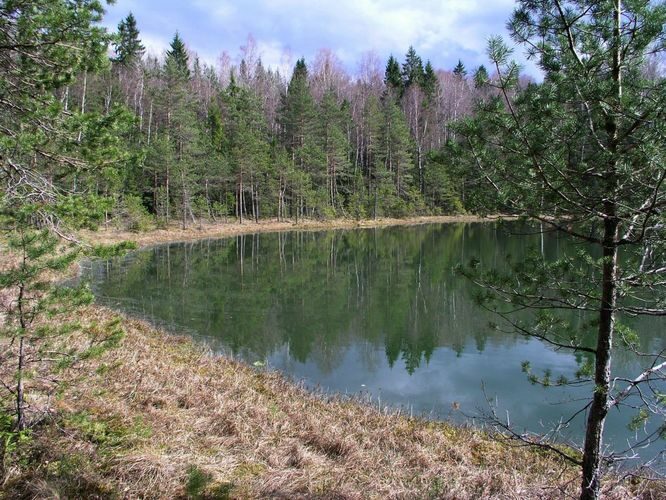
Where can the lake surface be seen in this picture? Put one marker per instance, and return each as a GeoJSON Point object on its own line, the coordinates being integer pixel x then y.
{"type": "Point", "coordinates": [378, 312]}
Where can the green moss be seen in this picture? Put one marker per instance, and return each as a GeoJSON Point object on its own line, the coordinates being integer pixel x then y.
{"type": "Point", "coordinates": [108, 433]}
{"type": "Point", "coordinates": [249, 469]}
{"type": "Point", "coordinates": [201, 486]}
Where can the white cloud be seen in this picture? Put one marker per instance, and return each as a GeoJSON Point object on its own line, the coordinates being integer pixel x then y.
{"type": "Point", "coordinates": [156, 45]}
{"type": "Point", "coordinates": [439, 30]}
{"type": "Point", "coordinates": [275, 55]}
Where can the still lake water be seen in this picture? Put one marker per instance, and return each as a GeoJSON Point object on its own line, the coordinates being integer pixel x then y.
{"type": "Point", "coordinates": [379, 312]}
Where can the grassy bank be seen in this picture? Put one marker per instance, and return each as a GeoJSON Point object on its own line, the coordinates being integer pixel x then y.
{"type": "Point", "coordinates": [221, 229]}
{"type": "Point", "coordinates": [161, 417]}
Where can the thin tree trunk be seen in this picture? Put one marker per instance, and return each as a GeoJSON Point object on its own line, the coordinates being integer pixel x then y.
{"type": "Point", "coordinates": [166, 201]}
{"type": "Point", "coordinates": [65, 99]}
{"type": "Point", "coordinates": [240, 198]}
{"type": "Point", "coordinates": [83, 100]}
{"type": "Point", "coordinates": [150, 121]}
{"type": "Point", "coordinates": [20, 407]}
{"type": "Point", "coordinates": [591, 482]}
{"type": "Point", "coordinates": [140, 103]}
{"type": "Point", "coordinates": [184, 208]}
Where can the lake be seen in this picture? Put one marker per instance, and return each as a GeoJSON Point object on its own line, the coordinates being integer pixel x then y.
{"type": "Point", "coordinates": [380, 313]}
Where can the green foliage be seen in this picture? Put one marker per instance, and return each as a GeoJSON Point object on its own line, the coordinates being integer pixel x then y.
{"type": "Point", "coordinates": [200, 486]}
{"type": "Point", "coordinates": [127, 46]}
{"type": "Point", "coordinates": [177, 61]}
{"type": "Point", "coordinates": [109, 251]}
{"type": "Point", "coordinates": [133, 215]}
{"type": "Point", "coordinates": [412, 69]}
{"type": "Point", "coordinates": [460, 70]}
{"type": "Point", "coordinates": [393, 76]}
{"type": "Point", "coordinates": [108, 434]}
{"type": "Point", "coordinates": [11, 442]}
{"type": "Point", "coordinates": [430, 82]}
{"type": "Point", "coordinates": [439, 188]}
{"type": "Point", "coordinates": [38, 324]}
{"type": "Point", "coordinates": [639, 420]}
{"type": "Point", "coordinates": [82, 211]}
{"type": "Point", "coordinates": [166, 132]}
{"type": "Point", "coordinates": [481, 77]}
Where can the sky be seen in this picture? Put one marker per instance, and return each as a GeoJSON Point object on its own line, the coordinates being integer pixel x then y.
{"type": "Point", "coordinates": [441, 31]}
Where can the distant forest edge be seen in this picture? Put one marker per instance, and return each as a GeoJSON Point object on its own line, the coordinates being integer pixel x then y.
{"type": "Point", "coordinates": [247, 142]}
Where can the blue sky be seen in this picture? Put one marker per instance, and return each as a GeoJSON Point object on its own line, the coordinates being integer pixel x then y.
{"type": "Point", "coordinates": [440, 30]}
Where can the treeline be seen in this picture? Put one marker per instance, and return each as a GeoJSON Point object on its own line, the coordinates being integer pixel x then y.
{"type": "Point", "coordinates": [245, 141]}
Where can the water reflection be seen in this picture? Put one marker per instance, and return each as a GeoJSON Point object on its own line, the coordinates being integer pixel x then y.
{"type": "Point", "coordinates": [380, 310]}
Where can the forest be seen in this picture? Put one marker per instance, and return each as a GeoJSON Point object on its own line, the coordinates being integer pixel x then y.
{"type": "Point", "coordinates": [244, 141]}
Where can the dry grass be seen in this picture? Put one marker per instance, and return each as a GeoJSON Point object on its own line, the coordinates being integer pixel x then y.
{"type": "Point", "coordinates": [175, 233]}
{"type": "Point", "coordinates": [145, 419]}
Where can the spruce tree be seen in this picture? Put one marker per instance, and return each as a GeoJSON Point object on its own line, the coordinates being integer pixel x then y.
{"type": "Point", "coordinates": [127, 46]}
{"type": "Point", "coordinates": [393, 77]}
{"type": "Point", "coordinates": [460, 70]}
{"type": "Point", "coordinates": [298, 118]}
{"type": "Point", "coordinates": [177, 61]}
{"type": "Point", "coordinates": [392, 159]}
{"type": "Point", "coordinates": [430, 82]}
{"type": "Point", "coordinates": [412, 69]}
{"type": "Point", "coordinates": [183, 129]}
{"type": "Point", "coordinates": [298, 109]}
{"type": "Point", "coordinates": [481, 77]}
{"type": "Point", "coordinates": [248, 150]}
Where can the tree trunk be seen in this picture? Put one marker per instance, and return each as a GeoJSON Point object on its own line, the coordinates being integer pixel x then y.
{"type": "Point", "coordinates": [150, 121]}
{"type": "Point", "coordinates": [590, 486]}
{"type": "Point", "coordinates": [83, 101]}
{"type": "Point", "coordinates": [20, 407]}
{"type": "Point", "coordinates": [20, 399]}
{"type": "Point", "coordinates": [240, 198]}
{"type": "Point", "coordinates": [166, 200]}
{"type": "Point", "coordinates": [185, 202]}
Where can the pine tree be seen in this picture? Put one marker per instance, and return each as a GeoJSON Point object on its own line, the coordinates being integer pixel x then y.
{"type": "Point", "coordinates": [582, 155]}
{"type": "Point", "coordinates": [45, 148]}
{"type": "Point", "coordinates": [42, 140]}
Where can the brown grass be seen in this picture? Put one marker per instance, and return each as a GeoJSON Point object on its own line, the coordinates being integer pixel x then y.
{"type": "Point", "coordinates": [175, 233]}
{"type": "Point", "coordinates": [136, 422]}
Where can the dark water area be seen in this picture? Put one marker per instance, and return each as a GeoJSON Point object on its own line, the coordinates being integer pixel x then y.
{"type": "Point", "coordinates": [379, 312]}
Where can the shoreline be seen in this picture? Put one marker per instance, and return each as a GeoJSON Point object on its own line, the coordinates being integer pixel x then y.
{"type": "Point", "coordinates": [175, 234]}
